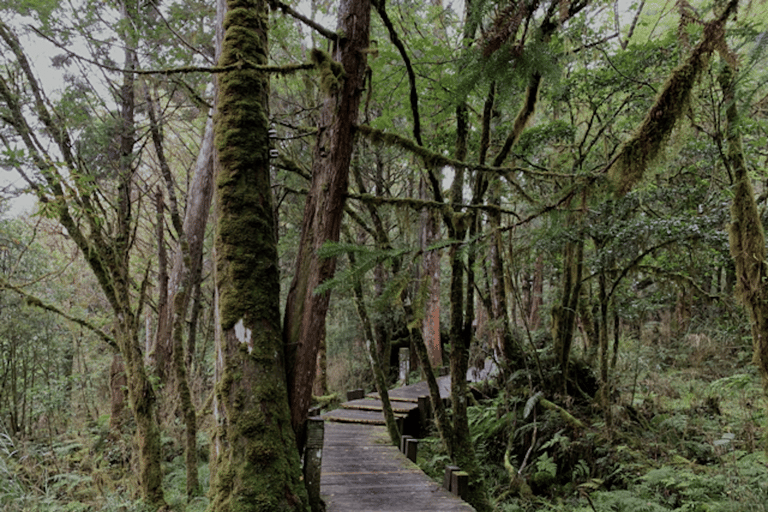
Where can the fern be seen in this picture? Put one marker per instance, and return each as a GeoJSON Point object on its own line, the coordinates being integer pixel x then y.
{"type": "Point", "coordinates": [531, 403]}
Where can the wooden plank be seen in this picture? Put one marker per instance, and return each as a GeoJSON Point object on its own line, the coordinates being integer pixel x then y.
{"type": "Point", "coordinates": [358, 416]}
{"type": "Point", "coordinates": [369, 404]}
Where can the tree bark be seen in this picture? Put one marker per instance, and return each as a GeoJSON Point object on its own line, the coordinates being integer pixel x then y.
{"type": "Point", "coordinates": [257, 462]}
{"type": "Point", "coordinates": [564, 313]}
{"type": "Point", "coordinates": [305, 311]}
{"type": "Point", "coordinates": [430, 232]}
{"type": "Point", "coordinates": [747, 238]}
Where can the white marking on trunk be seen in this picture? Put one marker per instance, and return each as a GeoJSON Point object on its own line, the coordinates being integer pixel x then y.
{"type": "Point", "coordinates": [244, 335]}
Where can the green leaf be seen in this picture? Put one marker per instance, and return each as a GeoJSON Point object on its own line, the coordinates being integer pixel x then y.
{"type": "Point", "coordinates": [531, 403]}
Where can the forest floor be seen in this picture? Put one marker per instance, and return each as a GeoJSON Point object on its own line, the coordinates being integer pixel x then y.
{"type": "Point", "coordinates": [688, 417]}
{"type": "Point", "coordinates": [687, 434]}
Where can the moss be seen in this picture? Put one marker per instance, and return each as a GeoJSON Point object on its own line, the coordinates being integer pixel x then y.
{"type": "Point", "coordinates": [645, 146]}
{"type": "Point", "coordinates": [258, 466]}
{"type": "Point", "coordinates": [331, 72]}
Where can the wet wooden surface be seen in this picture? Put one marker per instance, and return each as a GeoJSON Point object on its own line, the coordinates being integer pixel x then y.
{"type": "Point", "coordinates": [373, 404]}
{"type": "Point", "coordinates": [414, 391]}
{"type": "Point", "coordinates": [345, 415]}
{"type": "Point", "coordinates": [362, 472]}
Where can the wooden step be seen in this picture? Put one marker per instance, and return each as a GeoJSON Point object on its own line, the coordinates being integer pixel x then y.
{"type": "Point", "coordinates": [359, 416]}
{"type": "Point", "coordinates": [368, 404]}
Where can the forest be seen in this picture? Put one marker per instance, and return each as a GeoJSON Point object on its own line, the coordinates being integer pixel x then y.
{"type": "Point", "coordinates": [244, 208]}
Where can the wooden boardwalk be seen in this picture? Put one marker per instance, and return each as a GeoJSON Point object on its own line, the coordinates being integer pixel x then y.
{"type": "Point", "coordinates": [363, 472]}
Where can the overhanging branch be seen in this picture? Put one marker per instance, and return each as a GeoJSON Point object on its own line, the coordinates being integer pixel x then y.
{"type": "Point", "coordinates": [38, 303]}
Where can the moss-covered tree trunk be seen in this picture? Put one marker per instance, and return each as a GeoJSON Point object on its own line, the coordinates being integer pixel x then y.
{"type": "Point", "coordinates": [305, 311]}
{"type": "Point", "coordinates": [257, 462]}
{"type": "Point", "coordinates": [373, 359]}
{"type": "Point", "coordinates": [747, 238]}
{"type": "Point", "coordinates": [141, 396]}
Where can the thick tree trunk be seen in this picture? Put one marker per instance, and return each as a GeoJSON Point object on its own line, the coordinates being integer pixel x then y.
{"type": "Point", "coordinates": [257, 462]}
{"type": "Point", "coordinates": [305, 311]}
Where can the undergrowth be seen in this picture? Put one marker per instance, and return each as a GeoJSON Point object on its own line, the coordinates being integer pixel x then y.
{"type": "Point", "coordinates": [687, 420]}
{"type": "Point", "coordinates": [86, 474]}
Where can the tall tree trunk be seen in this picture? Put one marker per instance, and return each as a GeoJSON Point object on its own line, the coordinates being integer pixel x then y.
{"type": "Point", "coordinates": [305, 311]}
{"type": "Point", "coordinates": [141, 394]}
{"type": "Point", "coordinates": [158, 355]}
{"type": "Point", "coordinates": [747, 238]}
{"type": "Point", "coordinates": [257, 463]}
{"type": "Point", "coordinates": [537, 294]}
{"type": "Point", "coordinates": [172, 312]}
{"type": "Point", "coordinates": [507, 344]}
{"type": "Point", "coordinates": [429, 232]}
{"type": "Point", "coordinates": [564, 313]}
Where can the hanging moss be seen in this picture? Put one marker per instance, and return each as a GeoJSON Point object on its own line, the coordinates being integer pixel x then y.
{"type": "Point", "coordinates": [746, 235]}
{"type": "Point", "coordinates": [331, 72]}
{"type": "Point", "coordinates": [645, 146]}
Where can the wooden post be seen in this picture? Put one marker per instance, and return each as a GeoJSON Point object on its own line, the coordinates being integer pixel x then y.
{"type": "Point", "coordinates": [313, 457]}
{"type": "Point", "coordinates": [425, 414]}
{"type": "Point", "coordinates": [355, 394]}
{"type": "Point", "coordinates": [403, 441]}
{"type": "Point", "coordinates": [412, 449]}
{"type": "Point", "coordinates": [448, 476]}
{"type": "Point", "coordinates": [459, 483]}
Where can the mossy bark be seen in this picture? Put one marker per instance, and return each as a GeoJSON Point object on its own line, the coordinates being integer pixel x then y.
{"type": "Point", "coordinates": [747, 237]}
{"type": "Point", "coordinates": [257, 462]}
{"type": "Point", "coordinates": [141, 397]}
{"type": "Point", "coordinates": [305, 311]}
{"type": "Point", "coordinates": [646, 144]}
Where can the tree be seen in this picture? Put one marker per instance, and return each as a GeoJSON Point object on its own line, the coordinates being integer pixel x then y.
{"type": "Point", "coordinates": [257, 461]}
{"type": "Point", "coordinates": [305, 310]}
{"type": "Point", "coordinates": [105, 243]}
